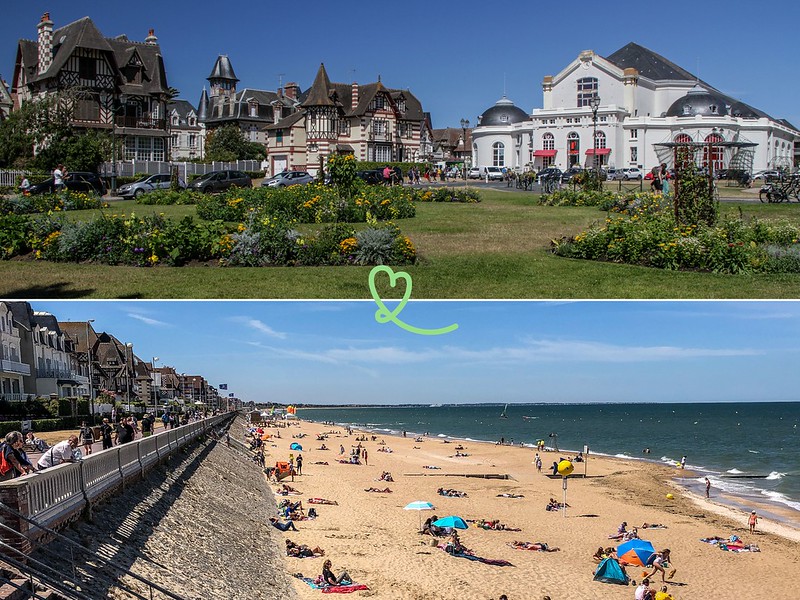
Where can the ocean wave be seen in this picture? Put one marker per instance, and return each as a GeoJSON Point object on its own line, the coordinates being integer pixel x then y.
{"type": "Point", "coordinates": [754, 452]}
{"type": "Point", "coordinates": [782, 498]}
{"type": "Point", "coordinates": [621, 455]}
{"type": "Point", "coordinates": [442, 435]}
{"type": "Point", "coordinates": [734, 471]}
{"type": "Point", "coordinates": [776, 475]}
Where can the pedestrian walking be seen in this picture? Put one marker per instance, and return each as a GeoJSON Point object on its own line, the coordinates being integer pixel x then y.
{"type": "Point", "coordinates": [87, 438]}
{"type": "Point", "coordinates": [299, 463]}
{"type": "Point", "coordinates": [753, 521]}
{"type": "Point", "coordinates": [105, 433]}
{"type": "Point", "coordinates": [708, 487]}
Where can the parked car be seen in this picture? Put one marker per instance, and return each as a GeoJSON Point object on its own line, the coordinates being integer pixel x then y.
{"type": "Point", "coordinates": [218, 181]}
{"type": "Point", "coordinates": [492, 173]}
{"type": "Point", "coordinates": [148, 183]}
{"type": "Point", "coordinates": [474, 173]}
{"type": "Point", "coordinates": [633, 173]}
{"type": "Point", "coordinates": [768, 174]}
{"type": "Point", "coordinates": [79, 181]}
{"type": "Point", "coordinates": [288, 178]}
{"type": "Point", "coordinates": [549, 173]}
{"type": "Point", "coordinates": [373, 176]}
{"type": "Point", "coordinates": [568, 175]}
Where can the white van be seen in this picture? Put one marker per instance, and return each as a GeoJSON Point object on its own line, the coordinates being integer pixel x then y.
{"type": "Point", "coordinates": [492, 173]}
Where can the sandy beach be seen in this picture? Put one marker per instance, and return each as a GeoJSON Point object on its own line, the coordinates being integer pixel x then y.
{"type": "Point", "coordinates": [371, 536]}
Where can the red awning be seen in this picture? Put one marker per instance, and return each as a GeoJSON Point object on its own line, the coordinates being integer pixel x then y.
{"type": "Point", "coordinates": [544, 152]}
{"type": "Point", "coordinates": [600, 151]}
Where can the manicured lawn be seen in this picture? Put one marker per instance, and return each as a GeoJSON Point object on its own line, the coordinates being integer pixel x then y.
{"type": "Point", "coordinates": [496, 249]}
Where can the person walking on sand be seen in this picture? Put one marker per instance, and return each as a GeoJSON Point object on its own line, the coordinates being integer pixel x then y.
{"type": "Point", "coordinates": [683, 461]}
{"type": "Point", "coordinates": [708, 487]}
{"type": "Point", "coordinates": [753, 521]}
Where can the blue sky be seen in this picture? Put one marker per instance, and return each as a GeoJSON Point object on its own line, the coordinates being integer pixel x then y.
{"type": "Point", "coordinates": [453, 56]}
{"type": "Point", "coordinates": [335, 352]}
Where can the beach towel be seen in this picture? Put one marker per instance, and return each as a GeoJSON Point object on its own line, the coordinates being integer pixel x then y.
{"type": "Point", "coordinates": [498, 562]}
{"type": "Point", "coordinates": [542, 547]}
{"type": "Point", "coordinates": [344, 589]}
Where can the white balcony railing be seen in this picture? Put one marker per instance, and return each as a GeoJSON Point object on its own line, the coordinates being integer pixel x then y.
{"type": "Point", "coordinates": [12, 366]}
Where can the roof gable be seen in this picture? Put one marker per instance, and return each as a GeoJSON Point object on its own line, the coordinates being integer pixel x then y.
{"type": "Point", "coordinates": [320, 92]}
{"type": "Point", "coordinates": [649, 64]}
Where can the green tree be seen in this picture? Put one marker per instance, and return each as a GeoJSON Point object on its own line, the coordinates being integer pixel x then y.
{"type": "Point", "coordinates": [229, 143]}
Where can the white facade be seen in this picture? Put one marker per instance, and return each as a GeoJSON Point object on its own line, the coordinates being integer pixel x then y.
{"type": "Point", "coordinates": [636, 115]}
{"type": "Point", "coordinates": [12, 368]}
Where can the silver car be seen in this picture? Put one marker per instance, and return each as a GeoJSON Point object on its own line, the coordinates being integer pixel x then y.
{"type": "Point", "coordinates": [148, 183]}
{"type": "Point", "coordinates": [288, 178]}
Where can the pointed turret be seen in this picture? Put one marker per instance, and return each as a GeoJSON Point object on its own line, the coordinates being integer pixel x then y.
{"type": "Point", "coordinates": [320, 92]}
{"type": "Point", "coordinates": [202, 108]}
{"type": "Point", "coordinates": [222, 79]}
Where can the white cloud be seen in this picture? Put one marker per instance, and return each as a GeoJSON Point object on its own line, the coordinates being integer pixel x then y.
{"type": "Point", "coordinates": [149, 320]}
{"type": "Point", "coordinates": [259, 326]}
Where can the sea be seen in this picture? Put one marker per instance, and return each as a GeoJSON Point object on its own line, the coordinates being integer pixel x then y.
{"type": "Point", "coordinates": [749, 451]}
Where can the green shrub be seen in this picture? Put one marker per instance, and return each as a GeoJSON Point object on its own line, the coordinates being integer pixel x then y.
{"type": "Point", "coordinates": [9, 426]}
{"type": "Point", "coordinates": [375, 247]}
{"type": "Point", "coordinates": [15, 234]}
{"type": "Point", "coordinates": [169, 197]}
{"type": "Point", "coordinates": [445, 194]}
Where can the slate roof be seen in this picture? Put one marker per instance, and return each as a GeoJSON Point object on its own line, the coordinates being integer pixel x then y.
{"type": "Point", "coordinates": [22, 314]}
{"type": "Point", "coordinates": [648, 63]}
{"type": "Point", "coordinates": [340, 95]}
{"type": "Point", "coordinates": [266, 101]}
{"type": "Point", "coordinates": [287, 121]}
{"type": "Point", "coordinates": [184, 108]}
{"type": "Point", "coordinates": [223, 69]}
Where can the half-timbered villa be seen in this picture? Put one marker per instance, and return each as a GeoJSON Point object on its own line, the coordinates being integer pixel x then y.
{"type": "Point", "coordinates": [118, 84]}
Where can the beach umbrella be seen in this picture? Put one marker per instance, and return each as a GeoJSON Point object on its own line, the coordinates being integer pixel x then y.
{"type": "Point", "coordinates": [295, 446]}
{"type": "Point", "coordinates": [635, 552]}
{"type": "Point", "coordinates": [419, 506]}
{"type": "Point", "coordinates": [452, 521]}
{"type": "Point", "coordinates": [265, 436]}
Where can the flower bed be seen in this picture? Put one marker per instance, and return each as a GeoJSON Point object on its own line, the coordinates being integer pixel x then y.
{"type": "Point", "coordinates": [654, 239]}
{"type": "Point", "coordinates": [313, 203]}
{"type": "Point", "coordinates": [155, 240]}
{"type": "Point", "coordinates": [567, 197]}
{"type": "Point", "coordinates": [167, 197]}
{"type": "Point", "coordinates": [449, 195]}
{"type": "Point", "coordinates": [68, 200]}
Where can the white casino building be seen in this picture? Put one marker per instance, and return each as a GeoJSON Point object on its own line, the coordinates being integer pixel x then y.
{"type": "Point", "coordinates": [647, 104]}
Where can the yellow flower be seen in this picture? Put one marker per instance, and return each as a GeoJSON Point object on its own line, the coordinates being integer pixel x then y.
{"type": "Point", "coordinates": [153, 259]}
{"type": "Point", "coordinates": [348, 245]}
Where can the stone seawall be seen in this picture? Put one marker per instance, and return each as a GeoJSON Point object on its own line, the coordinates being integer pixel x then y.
{"type": "Point", "coordinates": [196, 525]}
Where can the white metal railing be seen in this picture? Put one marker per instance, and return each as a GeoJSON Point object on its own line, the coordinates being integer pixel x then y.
{"type": "Point", "coordinates": [60, 492]}
{"type": "Point", "coordinates": [12, 366]}
{"type": "Point", "coordinates": [8, 177]}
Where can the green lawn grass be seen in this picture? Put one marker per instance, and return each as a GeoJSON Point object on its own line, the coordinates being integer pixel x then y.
{"type": "Point", "coordinates": [498, 248]}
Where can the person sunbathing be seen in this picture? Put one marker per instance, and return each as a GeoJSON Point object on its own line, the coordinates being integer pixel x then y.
{"type": "Point", "coordinates": [285, 490]}
{"type": "Point", "coordinates": [322, 501]}
{"type": "Point", "coordinates": [599, 555]}
{"type": "Point", "coordinates": [323, 447]}
{"type": "Point", "coordinates": [652, 526]}
{"type": "Point", "coordinates": [430, 467]}
{"type": "Point", "coordinates": [495, 525]}
{"type": "Point", "coordinates": [383, 491]}
{"type": "Point", "coordinates": [460, 447]}
{"type": "Point", "coordinates": [633, 534]}
{"type": "Point", "coordinates": [385, 476]}
{"type": "Point", "coordinates": [451, 493]}
{"type": "Point", "coordinates": [302, 551]}
{"type": "Point", "coordinates": [538, 546]}
{"type": "Point", "coordinates": [282, 526]}
{"type": "Point", "coordinates": [430, 529]}
{"type": "Point", "coordinates": [507, 495]}
{"type": "Point", "coordinates": [553, 504]}
{"type": "Point", "coordinates": [321, 462]}
{"type": "Point", "coordinates": [454, 545]}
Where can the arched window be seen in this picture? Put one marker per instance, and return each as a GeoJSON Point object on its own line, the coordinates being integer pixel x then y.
{"type": "Point", "coordinates": [683, 138]}
{"type": "Point", "coordinates": [600, 139]}
{"type": "Point", "coordinates": [498, 154]}
{"type": "Point", "coordinates": [573, 148]}
{"type": "Point", "coordinates": [713, 154]}
{"type": "Point", "coordinates": [587, 89]}
{"type": "Point", "coordinates": [548, 142]}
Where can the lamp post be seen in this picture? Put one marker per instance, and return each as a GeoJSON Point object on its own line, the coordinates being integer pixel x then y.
{"type": "Point", "coordinates": [128, 346]}
{"type": "Point", "coordinates": [89, 360]}
{"type": "Point", "coordinates": [155, 387]}
{"type": "Point", "coordinates": [464, 127]}
{"type": "Point", "coordinates": [595, 105]}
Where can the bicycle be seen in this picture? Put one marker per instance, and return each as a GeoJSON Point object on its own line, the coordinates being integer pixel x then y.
{"type": "Point", "coordinates": [550, 184]}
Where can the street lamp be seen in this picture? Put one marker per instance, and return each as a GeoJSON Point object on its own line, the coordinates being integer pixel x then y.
{"type": "Point", "coordinates": [128, 346]}
{"type": "Point", "coordinates": [464, 127]}
{"type": "Point", "coordinates": [595, 104]}
{"type": "Point", "coordinates": [89, 359]}
{"type": "Point", "coordinates": [155, 387]}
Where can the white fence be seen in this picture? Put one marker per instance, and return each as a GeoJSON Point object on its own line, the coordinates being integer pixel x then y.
{"type": "Point", "coordinates": [8, 178]}
{"type": "Point", "coordinates": [185, 169]}
{"type": "Point", "coordinates": [60, 494]}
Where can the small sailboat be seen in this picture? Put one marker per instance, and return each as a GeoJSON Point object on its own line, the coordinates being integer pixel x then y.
{"type": "Point", "coordinates": [503, 414]}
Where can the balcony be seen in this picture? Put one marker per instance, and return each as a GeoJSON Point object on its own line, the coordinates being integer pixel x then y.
{"type": "Point", "coordinates": [143, 122]}
{"type": "Point", "coordinates": [53, 374]}
{"type": "Point", "coordinates": [12, 366]}
{"type": "Point", "coordinates": [380, 136]}
{"type": "Point", "coordinates": [14, 397]}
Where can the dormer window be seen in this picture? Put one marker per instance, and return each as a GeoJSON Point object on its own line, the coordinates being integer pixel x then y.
{"type": "Point", "coordinates": [192, 121]}
{"type": "Point", "coordinates": [378, 102]}
{"type": "Point", "coordinates": [713, 109]}
{"type": "Point", "coordinates": [687, 110]}
{"type": "Point", "coordinates": [253, 109]}
{"type": "Point", "coordinates": [504, 118]}
{"type": "Point", "coordinates": [401, 104]}
{"type": "Point", "coordinates": [176, 120]}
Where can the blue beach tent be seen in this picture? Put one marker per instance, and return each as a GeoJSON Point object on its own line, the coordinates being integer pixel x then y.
{"type": "Point", "coordinates": [295, 446]}
{"type": "Point", "coordinates": [609, 571]}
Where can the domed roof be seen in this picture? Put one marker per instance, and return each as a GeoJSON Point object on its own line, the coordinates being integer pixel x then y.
{"type": "Point", "coordinates": [698, 101]}
{"type": "Point", "coordinates": [740, 109]}
{"type": "Point", "coordinates": [503, 113]}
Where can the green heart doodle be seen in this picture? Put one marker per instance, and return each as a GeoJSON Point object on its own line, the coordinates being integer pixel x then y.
{"type": "Point", "coordinates": [384, 315]}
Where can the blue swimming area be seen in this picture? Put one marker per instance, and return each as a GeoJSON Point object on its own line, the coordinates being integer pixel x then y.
{"type": "Point", "coordinates": [720, 440]}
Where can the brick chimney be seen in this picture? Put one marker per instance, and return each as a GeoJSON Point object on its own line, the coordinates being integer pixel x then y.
{"type": "Point", "coordinates": [354, 96]}
{"type": "Point", "coordinates": [45, 28]}
{"type": "Point", "coordinates": [151, 39]}
{"type": "Point", "coordinates": [292, 90]}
